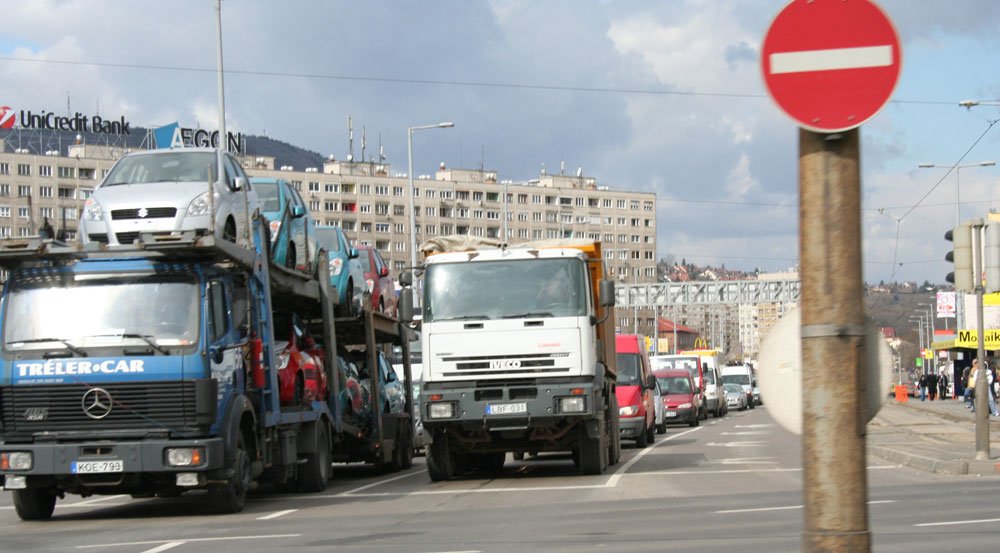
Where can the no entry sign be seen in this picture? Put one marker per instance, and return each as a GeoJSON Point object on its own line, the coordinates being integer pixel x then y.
{"type": "Point", "coordinates": [831, 64]}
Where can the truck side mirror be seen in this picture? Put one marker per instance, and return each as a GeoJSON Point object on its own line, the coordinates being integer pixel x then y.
{"type": "Point", "coordinates": [406, 305]}
{"type": "Point", "coordinates": [607, 290]}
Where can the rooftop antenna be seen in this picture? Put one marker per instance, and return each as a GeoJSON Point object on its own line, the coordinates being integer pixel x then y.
{"type": "Point", "coordinates": [68, 112]}
{"type": "Point", "coordinates": [364, 141]}
{"type": "Point", "coordinates": [350, 139]}
{"type": "Point", "coordinates": [562, 167]}
{"type": "Point", "coordinates": [381, 152]}
{"type": "Point", "coordinates": [482, 158]}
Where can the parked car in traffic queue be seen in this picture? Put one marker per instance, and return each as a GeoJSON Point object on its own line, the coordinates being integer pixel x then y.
{"type": "Point", "coordinates": [679, 396]}
{"type": "Point", "coordinates": [736, 398]}
{"type": "Point", "coordinates": [166, 192]}
{"type": "Point", "coordinates": [634, 390]}
{"type": "Point", "coordinates": [293, 237]}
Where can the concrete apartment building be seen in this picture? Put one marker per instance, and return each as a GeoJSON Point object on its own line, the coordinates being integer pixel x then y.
{"type": "Point", "coordinates": [370, 203]}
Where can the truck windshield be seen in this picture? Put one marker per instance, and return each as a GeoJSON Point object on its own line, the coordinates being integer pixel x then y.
{"type": "Point", "coordinates": [155, 310]}
{"type": "Point", "coordinates": [506, 289]}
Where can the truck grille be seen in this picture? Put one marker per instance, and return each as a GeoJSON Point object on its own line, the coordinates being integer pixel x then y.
{"type": "Point", "coordinates": [508, 365]}
{"type": "Point", "coordinates": [146, 406]}
{"type": "Point", "coordinates": [151, 213]}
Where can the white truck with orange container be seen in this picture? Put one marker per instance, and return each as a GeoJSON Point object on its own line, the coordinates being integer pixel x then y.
{"type": "Point", "coordinates": [518, 353]}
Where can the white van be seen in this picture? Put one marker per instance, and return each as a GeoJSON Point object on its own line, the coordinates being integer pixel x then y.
{"type": "Point", "coordinates": [715, 396]}
{"type": "Point", "coordinates": [742, 375]}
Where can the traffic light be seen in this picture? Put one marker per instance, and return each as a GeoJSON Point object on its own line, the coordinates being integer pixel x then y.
{"type": "Point", "coordinates": [961, 256]}
{"type": "Point", "coordinates": [991, 257]}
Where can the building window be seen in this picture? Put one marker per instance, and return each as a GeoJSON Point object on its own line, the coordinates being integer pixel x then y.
{"type": "Point", "coordinates": [5, 170]}
{"type": "Point", "coordinates": [366, 227]}
{"type": "Point", "coordinates": [44, 170]}
{"type": "Point", "coordinates": [477, 213]}
{"type": "Point", "coordinates": [634, 205]}
{"type": "Point", "coordinates": [381, 190]}
{"type": "Point", "coordinates": [45, 191]}
{"type": "Point", "coordinates": [22, 212]}
{"type": "Point", "coordinates": [66, 193]}
{"type": "Point", "coordinates": [297, 185]}
{"type": "Point", "coordinates": [462, 195]}
{"type": "Point", "coordinates": [330, 206]}
{"type": "Point", "coordinates": [4, 212]}
{"type": "Point", "coordinates": [65, 172]}
{"type": "Point", "coordinates": [477, 196]}
{"type": "Point", "coordinates": [331, 188]}
{"type": "Point", "coordinates": [382, 209]}
{"type": "Point", "coordinates": [398, 191]}
{"type": "Point", "coordinates": [430, 229]}
{"type": "Point", "coordinates": [23, 190]}
{"type": "Point", "coordinates": [382, 228]}
{"type": "Point", "coordinates": [428, 193]}
{"type": "Point", "coordinates": [398, 210]}
{"type": "Point", "coordinates": [313, 205]}
{"type": "Point", "coordinates": [447, 194]}
{"type": "Point", "coordinates": [461, 213]}
{"type": "Point", "coordinates": [648, 206]}
{"type": "Point", "coordinates": [364, 189]}
{"type": "Point", "coordinates": [621, 204]}
{"type": "Point", "coordinates": [23, 169]}
{"type": "Point", "coordinates": [398, 228]}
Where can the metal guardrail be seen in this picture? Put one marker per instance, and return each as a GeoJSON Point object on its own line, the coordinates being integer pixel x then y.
{"type": "Point", "coordinates": [729, 292]}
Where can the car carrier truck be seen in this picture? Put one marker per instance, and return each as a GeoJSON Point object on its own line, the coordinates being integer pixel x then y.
{"type": "Point", "coordinates": [518, 354]}
{"type": "Point", "coordinates": [150, 369]}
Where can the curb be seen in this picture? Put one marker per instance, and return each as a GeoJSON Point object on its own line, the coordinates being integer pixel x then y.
{"type": "Point", "coordinates": [994, 423]}
{"type": "Point", "coordinates": [930, 464]}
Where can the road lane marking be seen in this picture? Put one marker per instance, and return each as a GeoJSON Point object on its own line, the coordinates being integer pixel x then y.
{"type": "Point", "coordinates": [754, 426]}
{"type": "Point", "coordinates": [277, 514]}
{"type": "Point", "coordinates": [788, 507]}
{"type": "Point", "coordinates": [613, 481]}
{"type": "Point", "coordinates": [189, 540]}
{"type": "Point", "coordinates": [831, 59]}
{"type": "Point", "coordinates": [736, 444]}
{"type": "Point", "coordinates": [744, 461]}
{"type": "Point", "coordinates": [957, 522]}
{"type": "Point", "coordinates": [748, 433]}
{"type": "Point", "coordinates": [164, 547]}
{"type": "Point", "coordinates": [372, 485]}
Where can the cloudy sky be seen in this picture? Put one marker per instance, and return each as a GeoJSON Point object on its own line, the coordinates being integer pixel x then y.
{"type": "Point", "coordinates": [651, 95]}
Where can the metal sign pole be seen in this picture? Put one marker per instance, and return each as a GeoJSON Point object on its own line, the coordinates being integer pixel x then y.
{"type": "Point", "coordinates": [833, 344]}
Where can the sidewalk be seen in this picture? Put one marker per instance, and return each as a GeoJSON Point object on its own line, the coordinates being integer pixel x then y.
{"type": "Point", "coordinates": [935, 436]}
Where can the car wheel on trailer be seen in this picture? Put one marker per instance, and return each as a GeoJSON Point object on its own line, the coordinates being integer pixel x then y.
{"type": "Point", "coordinates": [593, 451]}
{"type": "Point", "coordinates": [231, 497]}
{"type": "Point", "coordinates": [314, 473]}
{"type": "Point", "coordinates": [440, 460]}
{"type": "Point", "coordinates": [34, 503]}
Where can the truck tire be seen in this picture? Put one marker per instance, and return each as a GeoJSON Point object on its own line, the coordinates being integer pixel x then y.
{"type": "Point", "coordinates": [593, 452]}
{"type": "Point", "coordinates": [231, 497]}
{"type": "Point", "coordinates": [440, 459]}
{"type": "Point", "coordinates": [34, 503]}
{"type": "Point", "coordinates": [314, 473]}
{"type": "Point", "coordinates": [406, 447]}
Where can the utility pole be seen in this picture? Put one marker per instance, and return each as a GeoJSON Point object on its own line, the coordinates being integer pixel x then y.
{"type": "Point", "coordinates": [833, 343]}
{"type": "Point", "coordinates": [982, 402]}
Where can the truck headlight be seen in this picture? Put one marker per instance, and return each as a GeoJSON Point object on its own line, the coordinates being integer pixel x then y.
{"type": "Point", "coordinates": [199, 206]}
{"type": "Point", "coordinates": [92, 210]}
{"type": "Point", "coordinates": [573, 404]}
{"type": "Point", "coordinates": [16, 460]}
{"type": "Point", "coordinates": [441, 410]}
{"type": "Point", "coordinates": [185, 456]}
{"type": "Point", "coordinates": [628, 411]}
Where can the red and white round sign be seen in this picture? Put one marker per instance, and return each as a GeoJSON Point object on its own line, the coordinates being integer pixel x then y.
{"type": "Point", "coordinates": [831, 64]}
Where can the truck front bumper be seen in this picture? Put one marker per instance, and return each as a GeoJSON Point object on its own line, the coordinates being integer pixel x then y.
{"type": "Point", "coordinates": [504, 406]}
{"type": "Point", "coordinates": [100, 462]}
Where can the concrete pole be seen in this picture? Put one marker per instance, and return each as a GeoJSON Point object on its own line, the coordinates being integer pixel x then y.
{"type": "Point", "coordinates": [833, 344]}
{"type": "Point", "coordinates": [982, 387]}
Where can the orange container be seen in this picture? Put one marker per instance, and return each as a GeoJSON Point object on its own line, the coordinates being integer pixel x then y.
{"type": "Point", "coordinates": [902, 395]}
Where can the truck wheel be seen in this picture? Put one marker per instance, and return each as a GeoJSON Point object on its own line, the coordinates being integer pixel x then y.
{"type": "Point", "coordinates": [34, 503]}
{"type": "Point", "coordinates": [593, 451]}
{"type": "Point", "coordinates": [314, 473]}
{"type": "Point", "coordinates": [406, 453]}
{"type": "Point", "coordinates": [440, 460]}
{"type": "Point", "coordinates": [231, 497]}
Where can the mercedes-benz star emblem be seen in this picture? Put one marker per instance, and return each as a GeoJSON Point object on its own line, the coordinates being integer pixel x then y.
{"type": "Point", "coordinates": [97, 403]}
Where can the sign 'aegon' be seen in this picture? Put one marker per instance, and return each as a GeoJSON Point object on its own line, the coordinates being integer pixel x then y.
{"type": "Point", "coordinates": [831, 65]}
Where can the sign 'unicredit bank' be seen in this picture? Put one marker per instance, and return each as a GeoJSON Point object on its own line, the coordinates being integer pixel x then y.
{"type": "Point", "coordinates": [50, 121]}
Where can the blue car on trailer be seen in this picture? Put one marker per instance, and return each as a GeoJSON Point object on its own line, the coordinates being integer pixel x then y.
{"type": "Point", "coordinates": [291, 225]}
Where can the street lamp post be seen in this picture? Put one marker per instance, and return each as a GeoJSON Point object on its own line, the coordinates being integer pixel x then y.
{"type": "Point", "coordinates": [929, 309]}
{"type": "Point", "coordinates": [958, 181]}
{"type": "Point", "coordinates": [409, 175]}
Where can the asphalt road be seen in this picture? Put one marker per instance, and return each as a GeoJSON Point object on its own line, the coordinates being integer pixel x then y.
{"type": "Point", "coordinates": [733, 484]}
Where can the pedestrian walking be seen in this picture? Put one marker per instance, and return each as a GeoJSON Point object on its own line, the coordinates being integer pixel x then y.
{"type": "Point", "coordinates": [932, 386]}
{"type": "Point", "coordinates": [943, 385]}
{"type": "Point", "coordinates": [991, 377]}
{"type": "Point", "coordinates": [968, 380]}
{"type": "Point", "coordinates": [922, 383]}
